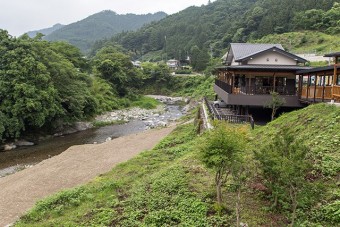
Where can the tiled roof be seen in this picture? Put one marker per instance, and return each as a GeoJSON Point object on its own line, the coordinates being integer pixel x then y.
{"type": "Point", "coordinates": [242, 50]}
{"type": "Point", "coordinates": [273, 68]}
{"type": "Point", "coordinates": [318, 69]}
{"type": "Point", "coordinates": [336, 54]}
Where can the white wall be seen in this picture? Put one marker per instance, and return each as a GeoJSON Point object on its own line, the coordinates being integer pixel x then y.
{"type": "Point", "coordinates": [274, 59]}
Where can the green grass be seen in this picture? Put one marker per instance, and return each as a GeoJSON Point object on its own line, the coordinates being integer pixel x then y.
{"type": "Point", "coordinates": [166, 186]}
{"type": "Point", "coordinates": [99, 124]}
{"type": "Point", "coordinates": [169, 186]}
{"type": "Point", "coordinates": [305, 42]}
{"type": "Point", "coordinates": [318, 126]}
{"type": "Point", "coordinates": [145, 102]}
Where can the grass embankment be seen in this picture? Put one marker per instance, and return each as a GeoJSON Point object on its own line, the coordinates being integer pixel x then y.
{"type": "Point", "coordinates": [169, 186]}
{"type": "Point", "coordinates": [194, 86]}
{"type": "Point", "coordinates": [318, 127]}
{"type": "Point", "coordinates": [305, 42]}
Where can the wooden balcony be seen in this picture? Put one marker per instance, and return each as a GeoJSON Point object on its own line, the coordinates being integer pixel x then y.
{"type": "Point", "coordinates": [255, 90]}
{"type": "Point", "coordinates": [317, 92]}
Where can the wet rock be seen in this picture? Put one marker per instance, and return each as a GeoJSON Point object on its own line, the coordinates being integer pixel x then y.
{"type": "Point", "coordinates": [21, 143]}
{"type": "Point", "coordinates": [8, 147]}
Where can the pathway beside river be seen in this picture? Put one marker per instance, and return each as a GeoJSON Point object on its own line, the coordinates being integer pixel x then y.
{"type": "Point", "coordinates": [76, 166]}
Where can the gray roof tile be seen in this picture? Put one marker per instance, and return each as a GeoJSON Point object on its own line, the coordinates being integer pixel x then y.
{"type": "Point", "coordinates": [241, 50]}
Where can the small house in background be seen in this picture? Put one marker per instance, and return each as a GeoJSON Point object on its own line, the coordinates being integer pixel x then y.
{"type": "Point", "coordinates": [136, 64]}
{"type": "Point", "coordinates": [173, 64]}
{"type": "Point", "coordinates": [321, 84]}
{"type": "Point", "coordinates": [252, 71]}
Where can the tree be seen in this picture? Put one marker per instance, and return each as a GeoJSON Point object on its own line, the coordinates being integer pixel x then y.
{"type": "Point", "coordinates": [275, 103]}
{"type": "Point", "coordinates": [220, 150]}
{"type": "Point", "coordinates": [284, 166]}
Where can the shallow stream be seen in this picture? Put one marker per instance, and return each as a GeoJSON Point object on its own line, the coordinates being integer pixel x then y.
{"type": "Point", "coordinates": [24, 157]}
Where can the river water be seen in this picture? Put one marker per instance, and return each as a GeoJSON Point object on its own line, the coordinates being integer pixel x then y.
{"type": "Point", "coordinates": [24, 157]}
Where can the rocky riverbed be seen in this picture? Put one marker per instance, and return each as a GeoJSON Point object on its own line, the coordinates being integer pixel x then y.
{"type": "Point", "coordinates": [132, 120]}
{"type": "Point", "coordinates": [159, 117]}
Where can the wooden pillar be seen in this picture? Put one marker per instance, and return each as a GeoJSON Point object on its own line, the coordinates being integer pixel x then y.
{"type": "Point", "coordinates": [249, 86]}
{"type": "Point", "coordinates": [315, 81]}
{"type": "Point", "coordinates": [274, 83]}
{"type": "Point", "coordinates": [308, 83]}
{"type": "Point", "coordinates": [323, 87]}
{"type": "Point", "coordinates": [232, 83]}
{"type": "Point", "coordinates": [300, 86]}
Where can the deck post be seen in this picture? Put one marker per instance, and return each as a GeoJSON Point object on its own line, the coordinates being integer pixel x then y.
{"type": "Point", "coordinates": [308, 82]}
{"type": "Point", "coordinates": [315, 81]}
{"type": "Point", "coordinates": [323, 87]}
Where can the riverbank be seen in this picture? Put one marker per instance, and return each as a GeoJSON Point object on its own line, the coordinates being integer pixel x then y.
{"type": "Point", "coordinates": [138, 120]}
{"type": "Point", "coordinates": [74, 167]}
{"type": "Point", "coordinates": [157, 117]}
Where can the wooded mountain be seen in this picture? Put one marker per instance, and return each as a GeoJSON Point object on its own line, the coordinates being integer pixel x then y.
{"type": "Point", "coordinates": [45, 31]}
{"type": "Point", "coordinates": [212, 27]}
{"type": "Point", "coordinates": [101, 25]}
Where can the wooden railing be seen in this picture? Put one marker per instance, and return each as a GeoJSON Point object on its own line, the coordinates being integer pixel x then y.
{"type": "Point", "coordinates": [231, 118]}
{"type": "Point", "coordinates": [318, 92]}
{"type": "Point", "coordinates": [336, 92]}
{"type": "Point", "coordinates": [224, 86]}
{"type": "Point", "coordinates": [255, 90]}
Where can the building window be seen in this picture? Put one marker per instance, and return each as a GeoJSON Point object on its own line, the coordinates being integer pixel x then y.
{"type": "Point", "coordinates": [338, 80]}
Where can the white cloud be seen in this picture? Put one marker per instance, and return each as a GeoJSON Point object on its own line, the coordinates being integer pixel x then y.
{"type": "Point", "coordinates": [19, 16]}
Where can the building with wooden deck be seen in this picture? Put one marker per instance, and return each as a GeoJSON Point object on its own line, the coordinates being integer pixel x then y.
{"type": "Point", "coordinates": [251, 71]}
{"type": "Point", "coordinates": [321, 84]}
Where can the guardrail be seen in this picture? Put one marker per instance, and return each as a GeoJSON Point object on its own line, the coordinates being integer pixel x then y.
{"type": "Point", "coordinates": [234, 119]}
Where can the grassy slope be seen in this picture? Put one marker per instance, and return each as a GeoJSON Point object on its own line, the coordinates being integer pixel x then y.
{"type": "Point", "coordinates": [318, 126]}
{"type": "Point", "coordinates": [305, 42]}
{"type": "Point", "coordinates": [169, 186]}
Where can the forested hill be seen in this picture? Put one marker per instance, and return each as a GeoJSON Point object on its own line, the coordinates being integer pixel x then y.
{"type": "Point", "coordinates": [213, 26]}
{"type": "Point", "coordinates": [45, 31]}
{"type": "Point", "coordinates": [105, 24]}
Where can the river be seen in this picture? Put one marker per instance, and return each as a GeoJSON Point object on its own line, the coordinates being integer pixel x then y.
{"type": "Point", "coordinates": [24, 157]}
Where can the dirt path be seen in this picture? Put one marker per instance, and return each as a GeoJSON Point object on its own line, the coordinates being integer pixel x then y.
{"type": "Point", "coordinates": [75, 166]}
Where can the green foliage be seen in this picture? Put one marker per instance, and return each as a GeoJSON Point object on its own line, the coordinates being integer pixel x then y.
{"type": "Point", "coordinates": [275, 103]}
{"type": "Point", "coordinates": [56, 204]}
{"type": "Point", "coordinates": [214, 26]}
{"type": "Point", "coordinates": [304, 41]}
{"type": "Point", "coordinates": [317, 128]}
{"type": "Point", "coordinates": [145, 103]}
{"type": "Point", "coordinates": [221, 152]}
{"type": "Point", "coordinates": [40, 86]}
{"type": "Point", "coordinates": [117, 69]}
{"type": "Point", "coordinates": [84, 33]}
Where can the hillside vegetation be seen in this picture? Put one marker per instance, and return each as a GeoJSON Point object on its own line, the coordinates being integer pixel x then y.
{"type": "Point", "coordinates": [305, 42]}
{"type": "Point", "coordinates": [105, 24]}
{"type": "Point", "coordinates": [47, 85]}
{"type": "Point", "coordinates": [211, 27]}
{"type": "Point", "coordinates": [170, 186]}
{"type": "Point", "coordinates": [45, 31]}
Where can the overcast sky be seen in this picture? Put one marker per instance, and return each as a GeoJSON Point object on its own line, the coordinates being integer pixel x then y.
{"type": "Point", "coordinates": [20, 16]}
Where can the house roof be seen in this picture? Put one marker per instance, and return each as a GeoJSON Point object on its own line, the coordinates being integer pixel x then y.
{"type": "Point", "coordinates": [266, 68]}
{"type": "Point", "coordinates": [335, 54]}
{"type": "Point", "coordinates": [317, 70]}
{"type": "Point", "coordinates": [244, 51]}
{"type": "Point", "coordinates": [241, 50]}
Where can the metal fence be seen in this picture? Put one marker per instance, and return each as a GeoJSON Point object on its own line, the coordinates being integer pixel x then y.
{"type": "Point", "coordinates": [231, 118]}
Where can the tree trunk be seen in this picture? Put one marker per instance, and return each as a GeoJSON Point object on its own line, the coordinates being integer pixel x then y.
{"type": "Point", "coordinates": [273, 113]}
{"type": "Point", "coordinates": [293, 196]}
{"type": "Point", "coordinates": [218, 182]}
{"type": "Point", "coordinates": [238, 206]}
